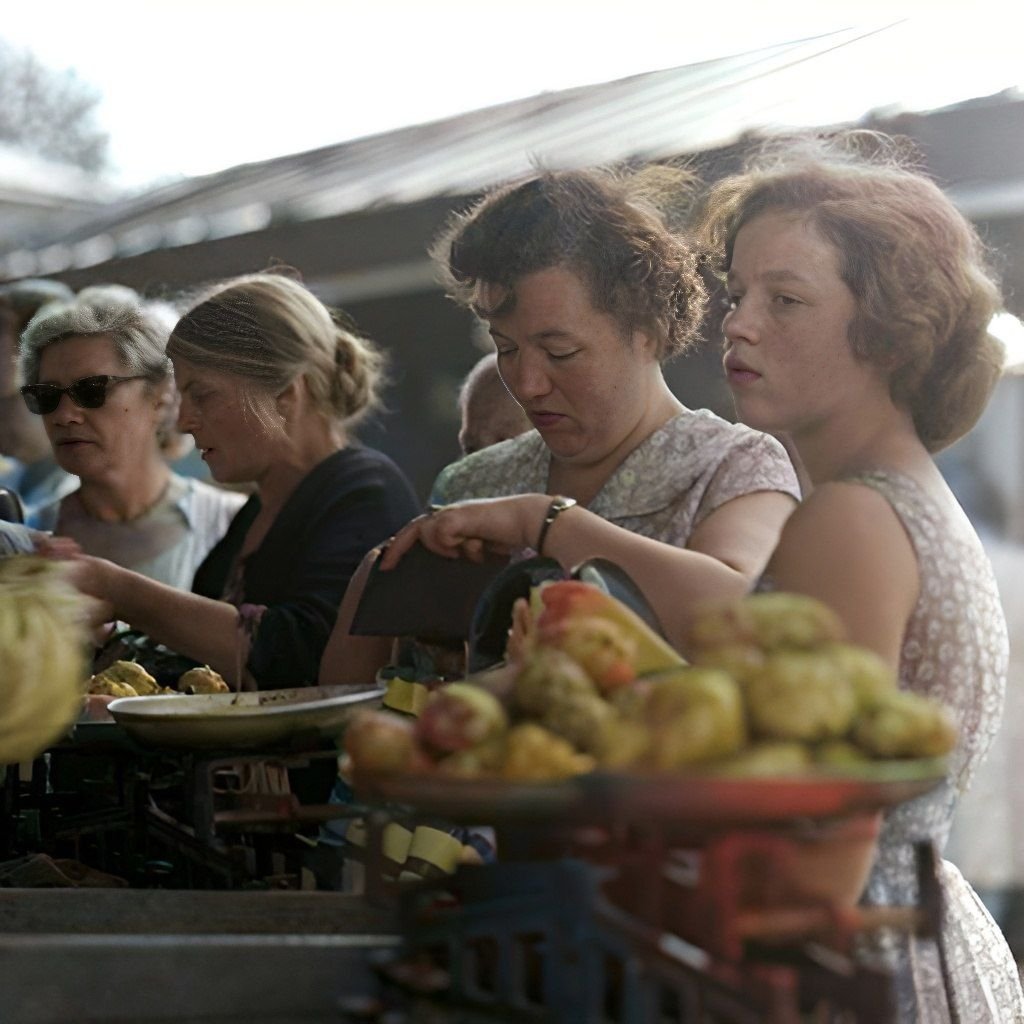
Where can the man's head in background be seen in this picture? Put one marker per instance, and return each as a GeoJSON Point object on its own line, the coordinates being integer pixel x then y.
{"type": "Point", "coordinates": [489, 413]}
{"type": "Point", "coordinates": [21, 434]}
{"type": "Point", "coordinates": [19, 302]}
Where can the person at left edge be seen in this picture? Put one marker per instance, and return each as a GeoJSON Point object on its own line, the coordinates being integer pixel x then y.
{"type": "Point", "coordinates": [27, 465]}
{"type": "Point", "coordinates": [271, 385]}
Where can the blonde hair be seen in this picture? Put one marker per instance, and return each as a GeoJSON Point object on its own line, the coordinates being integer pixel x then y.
{"type": "Point", "coordinates": [269, 330]}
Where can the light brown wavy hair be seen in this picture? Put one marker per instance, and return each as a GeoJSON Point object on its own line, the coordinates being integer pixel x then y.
{"type": "Point", "coordinates": [925, 294]}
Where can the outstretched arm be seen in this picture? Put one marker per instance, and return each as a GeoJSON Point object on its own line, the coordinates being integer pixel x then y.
{"type": "Point", "coordinates": [673, 579]}
{"type": "Point", "coordinates": [743, 532]}
{"type": "Point", "coordinates": [198, 627]}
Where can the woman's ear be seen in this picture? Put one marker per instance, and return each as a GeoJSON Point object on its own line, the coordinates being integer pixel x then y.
{"type": "Point", "coordinates": [290, 398]}
{"type": "Point", "coordinates": [645, 344]}
{"type": "Point", "coordinates": [165, 400]}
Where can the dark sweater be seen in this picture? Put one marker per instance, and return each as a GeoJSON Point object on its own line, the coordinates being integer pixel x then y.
{"type": "Point", "coordinates": [343, 507]}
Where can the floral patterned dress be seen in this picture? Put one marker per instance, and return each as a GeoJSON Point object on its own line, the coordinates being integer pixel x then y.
{"type": "Point", "coordinates": [663, 489]}
{"type": "Point", "coordinates": [955, 651]}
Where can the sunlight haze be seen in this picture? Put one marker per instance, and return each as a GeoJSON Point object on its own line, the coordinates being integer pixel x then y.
{"type": "Point", "coordinates": [189, 87]}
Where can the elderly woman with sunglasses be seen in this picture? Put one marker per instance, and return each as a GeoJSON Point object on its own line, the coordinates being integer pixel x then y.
{"type": "Point", "coordinates": [272, 385]}
{"type": "Point", "coordinates": [99, 377]}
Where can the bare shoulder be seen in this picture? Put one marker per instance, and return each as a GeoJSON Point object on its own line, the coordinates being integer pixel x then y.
{"type": "Point", "coordinates": [846, 511]}
{"type": "Point", "coordinates": [846, 546]}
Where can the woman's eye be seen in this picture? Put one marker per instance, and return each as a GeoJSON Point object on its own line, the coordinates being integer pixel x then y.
{"type": "Point", "coordinates": [559, 357]}
{"type": "Point", "coordinates": [786, 300]}
{"type": "Point", "coordinates": [730, 301]}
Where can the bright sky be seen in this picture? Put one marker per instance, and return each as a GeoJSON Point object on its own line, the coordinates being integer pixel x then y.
{"type": "Point", "coordinates": [193, 86]}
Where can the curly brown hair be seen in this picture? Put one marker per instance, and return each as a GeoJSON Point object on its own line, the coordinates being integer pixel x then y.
{"type": "Point", "coordinates": [925, 295]}
{"type": "Point", "coordinates": [615, 228]}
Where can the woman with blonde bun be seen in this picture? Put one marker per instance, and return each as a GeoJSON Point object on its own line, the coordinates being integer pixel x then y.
{"type": "Point", "coordinates": [271, 385]}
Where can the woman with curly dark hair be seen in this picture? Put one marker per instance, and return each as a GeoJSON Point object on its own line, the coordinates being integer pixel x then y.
{"type": "Point", "coordinates": [587, 291]}
{"type": "Point", "coordinates": [587, 288]}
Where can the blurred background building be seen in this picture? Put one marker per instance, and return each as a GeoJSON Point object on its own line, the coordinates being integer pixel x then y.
{"type": "Point", "coordinates": [356, 218]}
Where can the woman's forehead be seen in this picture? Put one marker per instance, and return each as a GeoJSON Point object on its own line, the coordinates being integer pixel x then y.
{"type": "Point", "coordinates": [779, 241]}
{"type": "Point", "coordinates": [189, 377]}
{"type": "Point", "coordinates": [538, 292]}
{"type": "Point", "coordinates": [96, 353]}
{"type": "Point", "coordinates": [185, 371]}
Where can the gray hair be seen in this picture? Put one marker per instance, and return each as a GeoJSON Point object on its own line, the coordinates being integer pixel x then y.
{"type": "Point", "coordinates": [138, 329]}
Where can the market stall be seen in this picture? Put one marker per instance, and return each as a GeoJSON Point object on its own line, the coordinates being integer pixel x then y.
{"type": "Point", "coordinates": [690, 870]}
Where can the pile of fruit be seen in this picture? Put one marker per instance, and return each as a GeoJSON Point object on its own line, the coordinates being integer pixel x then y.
{"type": "Point", "coordinates": [130, 679]}
{"type": "Point", "coordinates": [772, 689]}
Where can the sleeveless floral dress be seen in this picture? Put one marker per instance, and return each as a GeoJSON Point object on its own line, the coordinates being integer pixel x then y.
{"type": "Point", "coordinates": [955, 651]}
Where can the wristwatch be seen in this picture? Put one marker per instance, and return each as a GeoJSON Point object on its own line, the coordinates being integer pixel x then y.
{"type": "Point", "coordinates": [558, 505]}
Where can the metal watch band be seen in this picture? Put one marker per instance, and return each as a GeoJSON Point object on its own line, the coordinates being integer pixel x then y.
{"type": "Point", "coordinates": [558, 505]}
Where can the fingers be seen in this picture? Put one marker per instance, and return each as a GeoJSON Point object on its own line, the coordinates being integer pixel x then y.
{"type": "Point", "coordinates": [452, 531]}
{"type": "Point", "coordinates": [402, 542]}
{"type": "Point", "coordinates": [94, 707]}
{"type": "Point", "coordinates": [101, 622]}
{"type": "Point", "coordinates": [447, 530]}
{"type": "Point", "coordinates": [473, 549]}
{"type": "Point", "coordinates": [57, 547]}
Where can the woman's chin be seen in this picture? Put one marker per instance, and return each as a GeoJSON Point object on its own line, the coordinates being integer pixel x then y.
{"type": "Point", "coordinates": [75, 463]}
{"type": "Point", "coordinates": [228, 477]}
{"type": "Point", "coordinates": [756, 418]}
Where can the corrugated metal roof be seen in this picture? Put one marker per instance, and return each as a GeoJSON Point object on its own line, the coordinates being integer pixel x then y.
{"type": "Point", "coordinates": [654, 115]}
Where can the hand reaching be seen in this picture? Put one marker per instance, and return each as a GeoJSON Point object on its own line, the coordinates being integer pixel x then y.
{"type": "Point", "coordinates": [83, 572]}
{"type": "Point", "coordinates": [471, 529]}
{"type": "Point", "coordinates": [57, 547]}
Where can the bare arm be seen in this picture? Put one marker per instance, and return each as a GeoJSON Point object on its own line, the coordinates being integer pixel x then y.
{"type": "Point", "coordinates": [846, 547]}
{"type": "Point", "coordinates": [352, 659]}
{"type": "Point", "coordinates": [743, 532]}
{"type": "Point", "coordinates": [673, 579]}
{"type": "Point", "coordinates": [195, 626]}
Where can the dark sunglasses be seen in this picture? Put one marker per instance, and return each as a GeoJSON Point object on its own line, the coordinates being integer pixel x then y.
{"type": "Point", "coordinates": [86, 393]}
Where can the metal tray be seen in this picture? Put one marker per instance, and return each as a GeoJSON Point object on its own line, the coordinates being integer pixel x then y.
{"type": "Point", "coordinates": [250, 719]}
{"type": "Point", "coordinates": [698, 798]}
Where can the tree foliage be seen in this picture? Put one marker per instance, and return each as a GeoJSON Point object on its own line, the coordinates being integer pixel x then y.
{"type": "Point", "coordinates": [51, 113]}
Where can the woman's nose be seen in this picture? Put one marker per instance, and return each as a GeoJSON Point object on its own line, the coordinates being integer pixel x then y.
{"type": "Point", "coordinates": [528, 378]}
{"type": "Point", "coordinates": [66, 411]}
{"type": "Point", "coordinates": [741, 324]}
{"type": "Point", "coordinates": [186, 417]}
